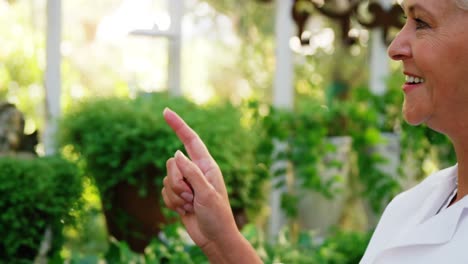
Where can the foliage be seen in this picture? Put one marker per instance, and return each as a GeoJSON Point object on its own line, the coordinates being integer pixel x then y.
{"type": "Point", "coordinates": [343, 247]}
{"type": "Point", "coordinates": [88, 235]}
{"type": "Point", "coordinates": [421, 144]}
{"type": "Point", "coordinates": [306, 131]}
{"type": "Point", "coordinates": [363, 116]}
{"type": "Point", "coordinates": [300, 139]}
{"type": "Point", "coordinates": [36, 193]}
{"type": "Point", "coordinates": [122, 140]}
{"type": "Point", "coordinates": [367, 121]}
{"type": "Point", "coordinates": [375, 115]}
{"type": "Point", "coordinates": [116, 139]}
{"type": "Point", "coordinates": [173, 246]}
{"type": "Point", "coordinates": [340, 247]}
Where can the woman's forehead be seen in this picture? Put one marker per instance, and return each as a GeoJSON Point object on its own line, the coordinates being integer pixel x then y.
{"type": "Point", "coordinates": [406, 3]}
{"type": "Point", "coordinates": [434, 7]}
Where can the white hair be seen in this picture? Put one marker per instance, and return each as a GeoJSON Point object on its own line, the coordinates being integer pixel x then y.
{"type": "Point", "coordinates": [463, 4]}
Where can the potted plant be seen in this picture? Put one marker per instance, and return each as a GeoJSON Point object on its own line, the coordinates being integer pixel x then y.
{"type": "Point", "coordinates": [373, 123]}
{"type": "Point", "coordinates": [298, 161]}
{"type": "Point", "coordinates": [124, 144]}
{"type": "Point", "coordinates": [35, 194]}
{"type": "Point", "coordinates": [322, 207]}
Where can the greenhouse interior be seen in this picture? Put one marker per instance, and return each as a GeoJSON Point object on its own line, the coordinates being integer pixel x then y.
{"type": "Point", "coordinates": [297, 102]}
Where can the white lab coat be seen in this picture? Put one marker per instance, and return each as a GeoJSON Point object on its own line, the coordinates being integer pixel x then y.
{"type": "Point", "coordinates": [411, 232]}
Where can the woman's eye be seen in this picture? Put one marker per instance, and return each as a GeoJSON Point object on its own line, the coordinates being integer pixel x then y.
{"type": "Point", "coordinates": [420, 24]}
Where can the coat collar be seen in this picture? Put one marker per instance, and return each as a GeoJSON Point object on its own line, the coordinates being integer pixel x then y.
{"type": "Point", "coordinates": [424, 226]}
{"type": "Point", "coordinates": [437, 229]}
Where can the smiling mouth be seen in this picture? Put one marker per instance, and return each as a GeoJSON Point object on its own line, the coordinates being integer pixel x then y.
{"type": "Point", "coordinates": [413, 79]}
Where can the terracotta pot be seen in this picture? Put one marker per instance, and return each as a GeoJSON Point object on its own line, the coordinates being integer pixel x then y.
{"type": "Point", "coordinates": [132, 218]}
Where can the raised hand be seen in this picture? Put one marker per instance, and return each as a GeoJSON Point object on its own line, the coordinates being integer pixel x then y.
{"type": "Point", "coordinates": [195, 189]}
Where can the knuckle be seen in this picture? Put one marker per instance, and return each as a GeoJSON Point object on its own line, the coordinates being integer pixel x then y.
{"type": "Point", "coordinates": [173, 198]}
{"type": "Point", "coordinates": [191, 169]}
{"type": "Point", "coordinates": [210, 194]}
{"type": "Point", "coordinates": [173, 184]}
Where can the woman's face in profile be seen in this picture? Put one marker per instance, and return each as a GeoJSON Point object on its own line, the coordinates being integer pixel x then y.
{"type": "Point", "coordinates": [433, 47]}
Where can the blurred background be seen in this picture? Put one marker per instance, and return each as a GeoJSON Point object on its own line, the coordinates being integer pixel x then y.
{"type": "Point", "coordinates": [296, 100]}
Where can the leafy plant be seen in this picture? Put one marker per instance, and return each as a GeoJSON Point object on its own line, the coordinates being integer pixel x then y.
{"type": "Point", "coordinates": [374, 115]}
{"type": "Point", "coordinates": [36, 194]}
{"type": "Point", "coordinates": [300, 138]}
{"type": "Point", "coordinates": [368, 120]}
{"type": "Point", "coordinates": [175, 247]}
{"type": "Point", "coordinates": [116, 140]}
{"type": "Point", "coordinates": [127, 140]}
{"type": "Point", "coordinates": [421, 144]}
{"type": "Point", "coordinates": [343, 247]}
{"type": "Point", "coordinates": [283, 128]}
{"type": "Point", "coordinates": [340, 247]}
{"type": "Point", "coordinates": [363, 116]}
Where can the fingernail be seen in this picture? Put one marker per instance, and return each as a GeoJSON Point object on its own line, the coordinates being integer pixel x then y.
{"type": "Point", "coordinates": [180, 154]}
{"type": "Point", "coordinates": [180, 211]}
{"type": "Point", "coordinates": [187, 196]}
{"type": "Point", "coordinates": [188, 208]}
{"type": "Point", "coordinates": [167, 109]}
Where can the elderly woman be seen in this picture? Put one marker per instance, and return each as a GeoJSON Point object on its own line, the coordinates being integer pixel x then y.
{"type": "Point", "coordinates": [426, 224]}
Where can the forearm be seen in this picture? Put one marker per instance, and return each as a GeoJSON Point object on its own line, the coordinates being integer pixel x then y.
{"type": "Point", "coordinates": [234, 250]}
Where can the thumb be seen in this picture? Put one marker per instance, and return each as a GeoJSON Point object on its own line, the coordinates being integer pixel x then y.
{"type": "Point", "coordinates": [192, 173]}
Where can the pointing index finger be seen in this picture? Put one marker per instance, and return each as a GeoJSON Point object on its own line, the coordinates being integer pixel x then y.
{"type": "Point", "coordinates": [193, 144]}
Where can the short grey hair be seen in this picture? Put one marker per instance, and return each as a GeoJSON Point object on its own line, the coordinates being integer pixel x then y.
{"type": "Point", "coordinates": [463, 4]}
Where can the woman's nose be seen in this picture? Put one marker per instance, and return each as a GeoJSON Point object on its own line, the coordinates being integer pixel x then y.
{"type": "Point", "coordinates": [400, 48]}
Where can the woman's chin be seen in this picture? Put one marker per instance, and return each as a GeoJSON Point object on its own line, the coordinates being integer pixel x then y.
{"type": "Point", "coordinates": [415, 112]}
{"type": "Point", "coordinates": [413, 118]}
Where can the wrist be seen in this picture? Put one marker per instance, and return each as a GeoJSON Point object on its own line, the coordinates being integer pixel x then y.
{"type": "Point", "coordinates": [226, 242]}
{"type": "Point", "coordinates": [233, 248]}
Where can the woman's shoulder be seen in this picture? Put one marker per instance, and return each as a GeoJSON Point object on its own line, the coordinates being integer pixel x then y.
{"type": "Point", "coordinates": [410, 207]}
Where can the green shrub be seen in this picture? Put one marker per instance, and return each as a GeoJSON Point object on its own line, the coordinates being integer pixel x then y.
{"type": "Point", "coordinates": [35, 194]}
{"type": "Point", "coordinates": [339, 247]}
{"type": "Point", "coordinates": [174, 248]}
{"type": "Point", "coordinates": [343, 247]}
{"type": "Point", "coordinates": [121, 140]}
